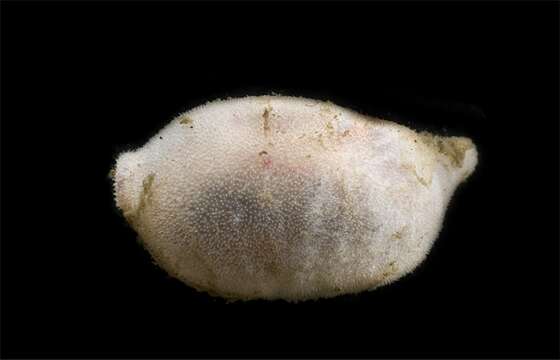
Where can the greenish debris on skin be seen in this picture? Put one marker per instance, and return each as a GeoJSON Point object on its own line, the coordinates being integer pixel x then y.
{"type": "Point", "coordinates": [327, 107]}
{"type": "Point", "coordinates": [400, 234]}
{"type": "Point", "coordinates": [145, 198]}
{"type": "Point", "coordinates": [391, 269]}
{"type": "Point", "coordinates": [454, 148]}
{"type": "Point", "coordinates": [186, 121]}
{"type": "Point", "coordinates": [266, 119]}
{"type": "Point", "coordinates": [329, 137]}
{"type": "Point", "coordinates": [146, 194]}
{"type": "Point", "coordinates": [112, 173]}
{"type": "Point", "coordinates": [321, 141]}
{"type": "Point", "coordinates": [420, 179]}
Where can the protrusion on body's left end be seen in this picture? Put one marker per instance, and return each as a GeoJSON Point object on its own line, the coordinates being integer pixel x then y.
{"type": "Point", "coordinates": [127, 182]}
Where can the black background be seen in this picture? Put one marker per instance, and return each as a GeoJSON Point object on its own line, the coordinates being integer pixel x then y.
{"type": "Point", "coordinates": [83, 81]}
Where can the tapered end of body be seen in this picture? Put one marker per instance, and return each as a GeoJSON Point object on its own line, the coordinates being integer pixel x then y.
{"type": "Point", "coordinates": [469, 155]}
{"type": "Point", "coordinates": [127, 183]}
{"type": "Point", "coordinates": [458, 154]}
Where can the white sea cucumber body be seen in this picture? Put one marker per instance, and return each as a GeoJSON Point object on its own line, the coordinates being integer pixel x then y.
{"type": "Point", "coordinates": [278, 197]}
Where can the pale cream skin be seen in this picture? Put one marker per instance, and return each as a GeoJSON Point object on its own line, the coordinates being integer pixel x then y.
{"type": "Point", "coordinates": [288, 198]}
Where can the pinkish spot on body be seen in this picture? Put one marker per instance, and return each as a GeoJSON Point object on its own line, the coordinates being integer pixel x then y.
{"type": "Point", "coordinates": [267, 162]}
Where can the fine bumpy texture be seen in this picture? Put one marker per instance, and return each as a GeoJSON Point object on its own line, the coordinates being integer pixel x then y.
{"type": "Point", "coordinates": [288, 198]}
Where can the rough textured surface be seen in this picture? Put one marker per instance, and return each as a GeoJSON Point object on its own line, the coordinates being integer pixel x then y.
{"type": "Point", "coordinates": [278, 197]}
